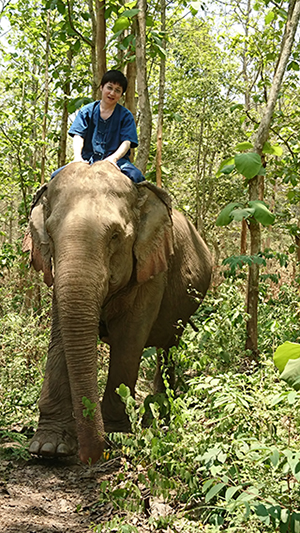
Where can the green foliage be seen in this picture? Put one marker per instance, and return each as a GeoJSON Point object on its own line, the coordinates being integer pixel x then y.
{"type": "Point", "coordinates": [90, 408]}
{"type": "Point", "coordinates": [257, 210]}
{"type": "Point", "coordinates": [221, 451]}
{"type": "Point", "coordinates": [225, 217]}
{"type": "Point", "coordinates": [7, 257]}
{"type": "Point", "coordinates": [116, 524]}
{"type": "Point", "coordinates": [248, 164]}
{"type": "Point", "coordinates": [225, 453]}
{"type": "Point", "coordinates": [239, 261]}
{"type": "Point", "coordinates": [291, 373]}
{"type": "Point", "coordinates": [285, 352]}
{"type": "Point", "coordinates": [286, 358]}
{"type": "Point", "coordinates": [24, 337]}
{"type": "Point", "coordinates": [235, 469]}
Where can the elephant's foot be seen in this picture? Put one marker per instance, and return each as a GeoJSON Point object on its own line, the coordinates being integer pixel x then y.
{"type": "Point", "coordinates": [53, 443]}
{"type": "Point", "coordinates": [91, 452]}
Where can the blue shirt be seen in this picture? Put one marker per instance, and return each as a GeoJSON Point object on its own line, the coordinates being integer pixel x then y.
{"type": "Point", "coordinates": [103, 137]}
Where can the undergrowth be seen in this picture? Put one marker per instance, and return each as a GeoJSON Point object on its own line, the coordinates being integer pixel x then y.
{"type": "Point", "coordinates": [220, 453]}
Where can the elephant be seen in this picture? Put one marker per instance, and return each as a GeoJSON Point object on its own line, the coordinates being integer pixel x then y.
{"type": "Point", "coordinates": [125, 267]}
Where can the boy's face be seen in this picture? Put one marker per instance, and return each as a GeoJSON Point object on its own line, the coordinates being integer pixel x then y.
{"type": "Point", "coordinates": [111, 93]}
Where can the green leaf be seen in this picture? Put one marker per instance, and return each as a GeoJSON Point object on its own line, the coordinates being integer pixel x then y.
{"type": "Point", "coordinates": [124, 391]}
{"type": "Point", "coordinates": [248, 510]}
{"type": "Point", "coordinates": [77, 103]}
{"type": "Point", "coordinates": [207, 485]}
{"type": "Point", "coordinates": [161, 51]}
{"type": "Point", "coordinates": [61, 7]}
{"type": "Point", "coordinates": [86, 16]}
{"type": "Point", "coordinates": [284, 516]}
{"type": "Point", "coordinates": [269, 17]}
{"type": "Point", "coordinates": [149, 21]}
{"type": "Point", "coordinates": [277, 399]}
{"type": "Point", "coordinates": [227, 169]}
{"type": "Point", "coordinates": [247, 496]}
{"type": "Point", "coordinates": [196, 6]}
{"type": "Point", "coordinates": [227, 162]}
{"type": "Point", "coordinates": [272, 149]}
{"type": "Point", "coordinates": [121, 24]}
{"type": "Point", "coordinates": [224, 217]}
{"type": "Point", "coordinates": [293, 65]}
{"type": "Point", "coordinates": [214, 491]}
{"type": "Point", "coordinates": [130, 13]}
{"type": "Point", "coordinates": [295, 518]}
{"type": "Point", "coordinates": [262, 171]}
{"type": "Point", "coordinates": [248, 164]}
{"type": "Point", "coordinates": [275, 511]}
{"type": "Point", "coordinates": [274, 458]}
{"type": "Point", "coordinates": [230, 492]}
{"type": "Point", "coordinates": [285, 352]}
{"type": "Point", "coordinates": [262, 213]}
{"type": "Point", "coordinates": [239, 214]}
{"type": "Point", "coordinates": [243, 146]}
{"type": "Point", "coordinates": [292, 397]}
{"type": "Point", "coordinates": [262, 514]}
{"type": "Point", "coordinates": [77, 45]}
{"type": "Point", "coordinates": [236, 106]}
{"type": "Point", "coordinates": [291, 374]}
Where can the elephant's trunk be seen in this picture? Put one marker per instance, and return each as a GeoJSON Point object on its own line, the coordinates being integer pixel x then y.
{"type": "Point", "coordinates": [79, 293]}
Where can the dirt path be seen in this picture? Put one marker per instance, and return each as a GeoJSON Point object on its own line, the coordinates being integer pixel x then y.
{"type": "Point", "coordinates": [47, 496]}
{"type": "Point", "coordinates": [39, 496]}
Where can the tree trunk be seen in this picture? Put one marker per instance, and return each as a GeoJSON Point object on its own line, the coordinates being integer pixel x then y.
{"type": "Point", "coordinates": [64, 121]}
{"type": "Point", "coordinates": [255, 183]}
{"type": "Point", "coordinates": [160, 114]}
{"type": "Point", "coordinates": [95, 80]}
{"type": "Point", "coordinates": [130, 100]}
{"type": "Point", "coordinates": [144, 102]}
{"type": "Point", "coordinates": [100, 43]}
{"type": "Point", "coordinates": [46, 104]}
{"type": "Point", "coordinates": [253, 276]}
{"type": "Point", "coordinates": [244, 237]}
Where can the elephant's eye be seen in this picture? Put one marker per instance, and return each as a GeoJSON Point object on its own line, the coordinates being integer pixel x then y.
{"type": "Point", "coordinates": [115, 236]}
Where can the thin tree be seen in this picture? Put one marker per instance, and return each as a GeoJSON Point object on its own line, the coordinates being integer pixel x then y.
{"type": "Point", "coordinates": [160, 113]}
{"type": "Point", "coordinates": [145, 120]}
{"type": "Point", "coordinates": [65, 114]}
{"type": "Point", "coordinates": [100, 44]}
{"type": "Point", "coordinates": [255, 183]}
{"type": "Point", "coordinates": [46, 101]}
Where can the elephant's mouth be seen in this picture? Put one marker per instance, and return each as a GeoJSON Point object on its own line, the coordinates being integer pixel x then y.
{"type": "Point", "coordinates": [103, 333]}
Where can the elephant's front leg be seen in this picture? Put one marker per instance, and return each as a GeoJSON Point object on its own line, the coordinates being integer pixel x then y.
{"type": "Point", "coordinates": [56, 432]}
{"type": "Point", "coordinates": [128, 332]}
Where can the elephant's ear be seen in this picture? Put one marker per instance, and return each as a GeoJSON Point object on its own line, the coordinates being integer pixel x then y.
{"type": "Point", "coordinates": [154, 243]}
{"type": "Point", "coordinates": [36, 239]}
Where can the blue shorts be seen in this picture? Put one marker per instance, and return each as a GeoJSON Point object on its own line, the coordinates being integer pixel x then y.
{"type": "Point", "coordinates": [124, 165]}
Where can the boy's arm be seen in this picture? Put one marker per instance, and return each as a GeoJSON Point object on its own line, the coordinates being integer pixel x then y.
{"type": "Point", "coordinates": [120, 152]}
{"type": "Point", "coordinates": [77, 147]}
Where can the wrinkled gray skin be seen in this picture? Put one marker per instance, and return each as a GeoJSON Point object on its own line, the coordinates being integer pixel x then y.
{"type": "Point", "coordinates": [123, 267]}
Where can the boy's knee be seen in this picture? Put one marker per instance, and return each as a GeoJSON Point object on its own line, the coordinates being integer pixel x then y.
{"type": "Point", "coordinates": [132, 172]}
{"type": "Point", "coordinates": [137, 176]}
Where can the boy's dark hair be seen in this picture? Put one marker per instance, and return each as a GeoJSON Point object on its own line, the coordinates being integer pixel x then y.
{"type": "Point", "coordinates": [115, 76]}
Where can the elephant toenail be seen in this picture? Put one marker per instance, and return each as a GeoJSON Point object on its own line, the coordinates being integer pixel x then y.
{"type": "Point", "coordinates": [62, 450]}
{"type": "Point", "coordinates": [34, 447]}
{"type": "Point", "coordinates": [47, 449]}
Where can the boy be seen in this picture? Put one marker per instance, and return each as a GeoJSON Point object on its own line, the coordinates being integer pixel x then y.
{"type": "Point", "coordinates": [106, 129]}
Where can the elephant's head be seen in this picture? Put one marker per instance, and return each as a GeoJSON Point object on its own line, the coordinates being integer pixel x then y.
{"type": "Point", "coordinates": [94, 232]}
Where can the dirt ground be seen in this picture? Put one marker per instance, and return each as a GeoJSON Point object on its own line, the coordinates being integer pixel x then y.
{"type": "Point", "coordinates": [47, 496]}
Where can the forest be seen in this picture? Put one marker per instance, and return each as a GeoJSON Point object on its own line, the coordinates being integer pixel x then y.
{"type": "Point", "coordinates": [214, 90]}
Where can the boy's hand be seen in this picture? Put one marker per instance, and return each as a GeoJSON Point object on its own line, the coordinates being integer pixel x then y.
{"type": "Point", "coordinates": [112, 160]}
